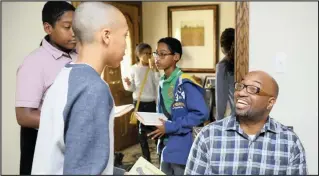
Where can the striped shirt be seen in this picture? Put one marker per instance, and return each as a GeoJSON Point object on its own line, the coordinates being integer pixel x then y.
{"type": "Point", "coordinates": [223, 148]}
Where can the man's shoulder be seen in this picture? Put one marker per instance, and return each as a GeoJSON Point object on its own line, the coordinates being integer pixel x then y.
{"type": "Point", "coordinates": [215, 128]}
{"type": "Point", "coordinates": [284, 131]}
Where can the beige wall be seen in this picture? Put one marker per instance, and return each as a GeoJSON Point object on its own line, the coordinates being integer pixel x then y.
{"type": "Point", "coordinates": [295, 34]}
{"type": "Point", "coordinates": [22, 32]}
{"type": "Point", "coordinates": [155, 20]}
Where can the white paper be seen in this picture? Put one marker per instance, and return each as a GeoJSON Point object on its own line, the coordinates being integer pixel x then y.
{"type": "Point", "coordinates": [143, 167]}
{"type": "Point", "coordinates": [121, 110]}
{"type": "Point", "coordinates": [150, 118]}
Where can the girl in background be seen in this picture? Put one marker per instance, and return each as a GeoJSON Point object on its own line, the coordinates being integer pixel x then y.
{"type": "Point", "coordinates": [224, 90]}
{"type": "Point", "coordinates": [148, 97]}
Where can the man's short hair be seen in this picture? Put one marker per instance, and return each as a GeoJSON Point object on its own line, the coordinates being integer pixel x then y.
{"type": "Point", "coordinates": [53, 10]}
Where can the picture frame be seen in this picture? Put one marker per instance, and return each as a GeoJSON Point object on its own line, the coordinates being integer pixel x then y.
{"type": "Point", "coordinates": [209, 82]}
{"type": "Point", "coordinates": [197, 27]}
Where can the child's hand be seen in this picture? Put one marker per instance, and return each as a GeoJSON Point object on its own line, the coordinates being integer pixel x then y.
{"type": "Point", "coordinates": [159, 132]}
{"type": "Point", "coordinates": [127, 81]}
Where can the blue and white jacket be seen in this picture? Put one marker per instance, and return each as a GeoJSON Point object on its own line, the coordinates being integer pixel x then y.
{"type": "Point", "coordinates": [187, 111]}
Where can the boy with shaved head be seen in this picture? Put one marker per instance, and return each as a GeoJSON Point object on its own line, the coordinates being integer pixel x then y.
{"type": "Point", "coordinates": [76, 128]}
{"type": "Point", "coordinates": [249, 143]}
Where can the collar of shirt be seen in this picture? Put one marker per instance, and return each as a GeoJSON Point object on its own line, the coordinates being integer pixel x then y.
{"type": "Point", "coordinates": [233, 125]}
{"type": "Point", "coordinates": [174, 74]}
{"type": "Point", "coordinates": [56, 53]}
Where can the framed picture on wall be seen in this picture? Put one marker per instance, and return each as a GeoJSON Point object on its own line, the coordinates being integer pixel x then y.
{"type": "Point", "coordinates": [196, 27]}
{"type": "Point", "coordinates": [209, 82]}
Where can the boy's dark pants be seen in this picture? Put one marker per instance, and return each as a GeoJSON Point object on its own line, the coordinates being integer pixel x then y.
{"type": "Point", "coordinates": [28, 138]}
{"type": "Point", "coordinates": [144, 130]}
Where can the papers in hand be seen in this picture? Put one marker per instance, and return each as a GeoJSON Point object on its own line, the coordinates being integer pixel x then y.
{"type": "Point", "coordinates": [150, 119]}
{"type": "Point", "coordinates": [121, 110]}
{"type": "Point", "coordinates": [143, 167]}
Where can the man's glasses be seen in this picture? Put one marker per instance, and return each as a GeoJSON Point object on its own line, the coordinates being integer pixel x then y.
{"type": "Point", "coordinates": [161, 55]}
{"type": "Point", "coordinates": [251, 89]}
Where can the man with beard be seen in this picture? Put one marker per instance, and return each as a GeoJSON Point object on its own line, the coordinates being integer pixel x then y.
{"type": "Point", "coordinates": [249, 143]}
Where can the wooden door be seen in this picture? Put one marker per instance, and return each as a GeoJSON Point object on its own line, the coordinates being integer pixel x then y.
{"type": "Point", "coordinates": [132, 13]}
{"type": "Point", "coordinates": [125, 134]}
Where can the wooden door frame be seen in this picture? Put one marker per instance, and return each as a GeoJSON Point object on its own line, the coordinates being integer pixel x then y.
{"type": "Point", "coordinates": [241, 39]}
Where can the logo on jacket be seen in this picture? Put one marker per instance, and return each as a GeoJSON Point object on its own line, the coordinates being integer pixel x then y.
{"type": "Point", "coordinates": [180, 94]}
{"type": "Point", "coordinates": [178, 105]}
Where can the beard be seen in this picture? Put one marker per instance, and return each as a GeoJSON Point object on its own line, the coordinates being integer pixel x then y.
{"type": "Point", "coordinates": [250, 114]}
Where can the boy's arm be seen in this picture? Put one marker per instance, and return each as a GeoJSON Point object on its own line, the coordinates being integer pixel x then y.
{"type": "Point", "coordinates": [29, 92]}
{"type": "Point", "coordinates": [197, 112]}
{"type": "Point", "coordinates": [87, 133]}
{"type": "Point", "coordinates": [130, 87]}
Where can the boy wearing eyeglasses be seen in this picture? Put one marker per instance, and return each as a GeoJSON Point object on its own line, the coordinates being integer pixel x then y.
{"type": "Point", "coordinates": [181, 100]}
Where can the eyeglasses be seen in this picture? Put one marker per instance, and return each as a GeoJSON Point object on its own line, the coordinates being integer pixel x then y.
{"type": "Point", "coordinates": [251, 89]}
{"type": "Point", "coordinates": [162, 55]}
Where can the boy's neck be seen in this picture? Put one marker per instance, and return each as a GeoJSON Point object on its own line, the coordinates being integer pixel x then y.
{"type": "Point", "coordinates": [91, 55]}
{"type": "Point", "coordinates": [169, 71]}
{"type": "Point", "coordinates": [57, 46]}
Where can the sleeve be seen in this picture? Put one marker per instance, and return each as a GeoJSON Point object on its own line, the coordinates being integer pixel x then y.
{"type": "Point", "coordinates": [221, 91]}
{"type": "Point", "coordinates": [198, 159]}
{"type": "Point", "coordinates": [132, 87]}
{"type": "Point", "coordinates": [30, 85]}
{"type": "Point", "coordinates": [197, 112]}
{"type": "Point", "coordinates": [87, 135]}
{"type": "Point", "coordinates": [297, 163]}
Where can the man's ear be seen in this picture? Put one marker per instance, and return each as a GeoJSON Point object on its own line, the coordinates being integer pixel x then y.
{"type": "Point", "coordinates": [271, 103]}
{"type": "Point", "coordinates": [177, 57]}
{"type": "Point", "coordinates": [47, 28]}
{"type": "Point", "coordinates": [106, 36]}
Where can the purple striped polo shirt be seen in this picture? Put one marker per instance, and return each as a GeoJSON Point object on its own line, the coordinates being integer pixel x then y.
{"type": "Point", "coordinates": [37, 72]}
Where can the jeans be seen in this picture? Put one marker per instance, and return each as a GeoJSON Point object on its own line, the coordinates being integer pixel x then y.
{"type": "Point", "coordinates": [172, 169]}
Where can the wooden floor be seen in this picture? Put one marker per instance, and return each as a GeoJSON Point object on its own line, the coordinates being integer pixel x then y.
{"type": "Point", "coordinates": [132, 153]}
